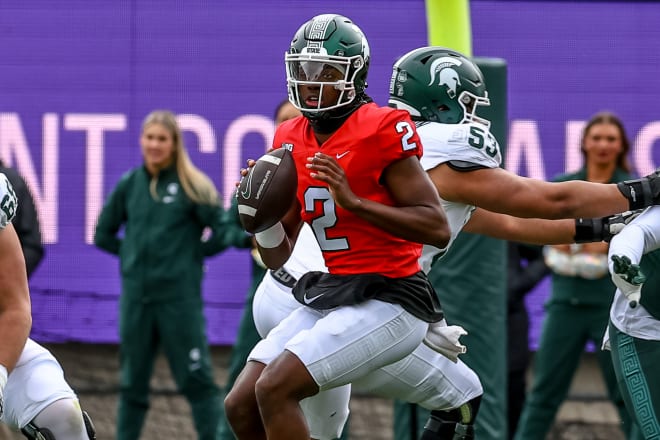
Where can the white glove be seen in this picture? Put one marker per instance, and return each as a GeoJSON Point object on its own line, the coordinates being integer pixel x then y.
{"type": "Point", "coordinates": [3, 382]}
{"type": "Point", "coordinates": [628, 278]}
{"type": "Point", "coordinates": [590, 266]}
{"type": "Point", "coordinates": [444, 339]}
{"type": "Point", "coordinates": [559, 262]}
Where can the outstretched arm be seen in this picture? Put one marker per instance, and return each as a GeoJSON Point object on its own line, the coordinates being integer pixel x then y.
{"type": "Point", "coordinates": [498, 190]}
{"type": "Point", "coordinates": [525, 230]}
{"type": "Point", "coordinates": [642, 235]}
{"type": "Point", "coordinates": [542, 231]}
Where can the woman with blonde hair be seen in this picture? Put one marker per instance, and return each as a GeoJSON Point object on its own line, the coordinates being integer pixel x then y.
{"type": "Point", "coordinates": [164, 206]}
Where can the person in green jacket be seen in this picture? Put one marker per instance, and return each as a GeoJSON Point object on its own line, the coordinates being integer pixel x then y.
{"type": "Point", "coordinates": [582, 291]}
{"type": "Point", "coordinates": [163, 208]}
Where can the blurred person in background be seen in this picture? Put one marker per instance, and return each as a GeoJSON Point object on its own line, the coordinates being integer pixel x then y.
{"type": "Point", "coordinates": [633, 334]}
{"type": "Point", "coordinates": [526, 268]}
{"type": "Point", "coordinates": [167, 207]}
{"type": "Point", "coordinates": [582, 291]}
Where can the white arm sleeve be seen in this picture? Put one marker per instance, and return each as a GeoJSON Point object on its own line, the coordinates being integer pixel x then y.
{"type": "Point", "coordinates": [642, 235]}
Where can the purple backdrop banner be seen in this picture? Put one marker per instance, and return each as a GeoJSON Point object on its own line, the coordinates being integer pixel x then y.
{"type": "Point", "coordinates": [78, 77]}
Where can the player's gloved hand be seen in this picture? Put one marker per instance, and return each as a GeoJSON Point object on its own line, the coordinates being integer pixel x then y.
{"type": "Point", "coordinates": [642, 193]}
{"type": "Point", "coordinates": [559, 262]}
{"type": "Point", "coordinates": [3, 382]}
{"type": "Point", "coordinates": [589, 230]}
{"type": "Point", "coordinates": [628, 277]}
{"type": "Point", "coordinates": [444, 339]}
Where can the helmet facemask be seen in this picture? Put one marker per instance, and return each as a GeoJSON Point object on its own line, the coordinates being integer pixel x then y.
{"type": "Point", "coordinates": [322, 71]}
{"type": "Point", "coordinates": [470, 104]}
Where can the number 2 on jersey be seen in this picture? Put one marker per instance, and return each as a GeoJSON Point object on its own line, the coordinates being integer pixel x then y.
{"type": "Point", "coordinates": [408, 132]}
{"type": "Point", "coordinates": [326, 220]}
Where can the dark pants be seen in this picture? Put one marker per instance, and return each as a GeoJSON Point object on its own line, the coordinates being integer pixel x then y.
{"type": "Point", "coordinates": [178, 328]}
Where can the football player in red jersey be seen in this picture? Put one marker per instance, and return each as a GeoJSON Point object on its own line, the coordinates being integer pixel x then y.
{"type": "Point", "coordinates": [364, 193]}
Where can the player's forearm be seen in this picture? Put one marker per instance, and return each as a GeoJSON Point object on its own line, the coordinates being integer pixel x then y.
{"type": "Point", "coordinates": [274, 246]}
{"type": "Point", "coordinates": [15, 325]}
{"type": "Point", "coordinates": [523, 230]}
{"type": "Point", "coordinates": [586, 199]}
{"type": "Point", "coordinates": [421, 224]}
{"type": "Point", "coordinates": [539, 231]}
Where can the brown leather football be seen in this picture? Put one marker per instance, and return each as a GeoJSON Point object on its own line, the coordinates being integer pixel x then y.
{"type": "Point", "coordinates": [266, 193]}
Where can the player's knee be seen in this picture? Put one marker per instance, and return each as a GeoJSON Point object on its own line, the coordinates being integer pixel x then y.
{"type": "Point", "coordinates": [239, 405]}
{"type": "Point", "coordinates": [285, 379]}
{"type": "Point", "coordinates": [231, 404]}
{"type": "Point", "coordinates": [62, 419]}
{"type": "Point", "coordinates": [268, 390]}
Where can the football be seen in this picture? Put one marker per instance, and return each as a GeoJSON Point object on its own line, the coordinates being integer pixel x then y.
{"type": "Point", "coordinates": [266, 193]}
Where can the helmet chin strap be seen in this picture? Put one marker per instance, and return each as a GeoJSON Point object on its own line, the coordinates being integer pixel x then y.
{"type": "Point", "coordinates": [329, 121]}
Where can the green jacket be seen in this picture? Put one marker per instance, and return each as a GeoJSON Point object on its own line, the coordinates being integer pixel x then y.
{"type": "Point", "coordinates": [160, 247]}
{"type": "Point", "coordinates": [577, 290]}
{"type": "Point", "coordinates": [235, 235]}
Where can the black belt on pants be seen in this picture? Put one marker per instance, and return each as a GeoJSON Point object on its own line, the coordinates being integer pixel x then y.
{"type": "Point", "coordinates": [284, 277]}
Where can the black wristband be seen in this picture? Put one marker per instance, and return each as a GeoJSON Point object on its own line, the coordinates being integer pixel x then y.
{"type": "Point", "coordinates": [638, 192]}
{"type": "Point", "coordinates": [588, 230]}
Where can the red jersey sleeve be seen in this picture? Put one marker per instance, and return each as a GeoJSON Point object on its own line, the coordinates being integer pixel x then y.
{"type": "Point", "coordinates": [397, 135]}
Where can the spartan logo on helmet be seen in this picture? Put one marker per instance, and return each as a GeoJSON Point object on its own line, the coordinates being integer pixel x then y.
{"type": "Point", "coordinates": [447, 76]}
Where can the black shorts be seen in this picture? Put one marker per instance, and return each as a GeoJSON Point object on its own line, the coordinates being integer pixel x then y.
{"type": "Point", "coordinates": [323, 291]}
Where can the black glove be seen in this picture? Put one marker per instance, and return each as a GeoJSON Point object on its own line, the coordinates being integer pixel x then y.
{"type": "Point", "coordinates": [588, 230]}
{"type": "Point", "coordinates": [642, 193]}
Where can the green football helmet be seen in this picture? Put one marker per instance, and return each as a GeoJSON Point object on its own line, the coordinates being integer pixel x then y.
{"type": "Point", "coordinates": [440, 85]}
{"type": "Point", "coordinates": [327, 51]}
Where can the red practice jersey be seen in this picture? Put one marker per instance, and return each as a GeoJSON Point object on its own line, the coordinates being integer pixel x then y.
{"type": "Point", "coordinates": [369, 141]}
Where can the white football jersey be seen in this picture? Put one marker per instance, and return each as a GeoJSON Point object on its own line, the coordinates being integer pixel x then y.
{"type": "Point", "coordinates": [306, 255]}
{"type": "Point", "coordinates": [8, 202]}
{"type": "Point", "coordinates": [468, 143]}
